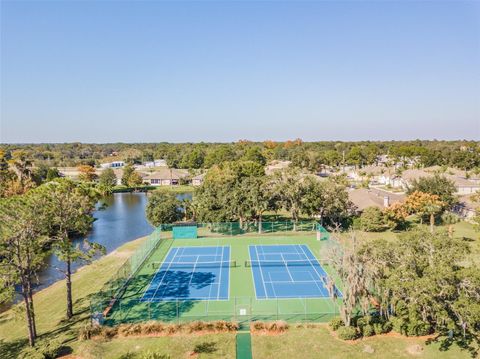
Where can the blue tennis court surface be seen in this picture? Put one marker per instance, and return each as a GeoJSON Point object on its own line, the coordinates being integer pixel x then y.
{"type": "Point", "coordinates": [197, 273]}
{"type": "Point", "coordinates": [287, 271]}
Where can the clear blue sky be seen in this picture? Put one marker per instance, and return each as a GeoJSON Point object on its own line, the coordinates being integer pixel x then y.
{"type": "Point", "coordinates": [222, 71]}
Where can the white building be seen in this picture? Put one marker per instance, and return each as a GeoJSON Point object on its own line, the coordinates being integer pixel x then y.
{"type": "Point", "coordinates": [156, 163]}
{"type": "Point", "coordinates": [114, 164]}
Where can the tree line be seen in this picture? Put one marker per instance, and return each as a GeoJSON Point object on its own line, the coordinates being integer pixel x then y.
{"type": "Point", "coordinates": [241, 191]}
{"type": "Point", "coordinates": [312, 155]}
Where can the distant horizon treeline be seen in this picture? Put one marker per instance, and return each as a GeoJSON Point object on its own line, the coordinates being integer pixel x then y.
{"type": "Point", "coordinates": [314, 156]}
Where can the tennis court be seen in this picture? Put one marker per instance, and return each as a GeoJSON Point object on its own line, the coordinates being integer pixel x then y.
{"type": "Point", "coordinates": [287, 271]}
{"type": "Point", "coordinates": [240, 277]}
{"type": "Point", "coordinates": [196, 273]}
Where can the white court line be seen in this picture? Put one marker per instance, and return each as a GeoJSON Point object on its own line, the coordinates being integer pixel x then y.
{"type": "Point", "coordinates": [220, 276]}
{"type": "Point", "coordinates": [289, 282]}
{"type": "Point", "coordinates": [193, 272]}
{"type": "Point", "coordinates": [251, 271]}
{"type": "Point", "coordinates": [261, 274]}
{"type": "Point", "coordinates": [164, 274]}
{"type": "Point", "coordinates": [314, 267]}
{"type": "Point", "coordinates": [288, 270]}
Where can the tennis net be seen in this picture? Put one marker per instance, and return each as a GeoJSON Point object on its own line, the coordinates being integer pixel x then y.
{"type": "Point", "coordinates": [193, 265]}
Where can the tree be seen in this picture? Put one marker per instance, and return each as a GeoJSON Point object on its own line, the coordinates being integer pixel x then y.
{"type": "Point", "coordinates": [356, 156]}
{"type": "Point", "coordinates": [254, 154]}
{"type": "Point", "coordinates": [106, 181]}
{"type": "Point", "coordinates": [23, 239]}
{"type": "Point", "coordinates": [218, 155]}
{"type": "Point", "coordinates": [436, 185]}
{"type": "Point", "coordinates": [86, 173]}
{"type": "Point", "coordinates": [259, 197]}
{"type": "Point", "coordinates": [162, 208]}
{"type": "Point", "coordinates": [421, 282]}
{"type": "Point", "coordinates": [372, 220]}
{"type": "Point", "coordinates": [52, 173]}
{"type": "Point", "coordinates": [290, 188]}
{"type": "Point", "coordinates": [131, 178]}
{"type": "Point", "coordinates": [396, 215]}
{"type": "Point", "coordinates": [327, 199]}
{"type": "Point", "coordinates": [424, 204]}
{"type": "Point", "coordinates": [69, 206]}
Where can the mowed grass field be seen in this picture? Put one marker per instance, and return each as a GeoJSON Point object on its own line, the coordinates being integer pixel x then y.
{"type": "Point", "coordinates": [295, 343]}
{"type": "Point", "coordinates": [316, 343]}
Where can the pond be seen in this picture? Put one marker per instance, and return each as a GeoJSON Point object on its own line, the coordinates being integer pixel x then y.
{"type": "Point", "coordinates": [122, 221]}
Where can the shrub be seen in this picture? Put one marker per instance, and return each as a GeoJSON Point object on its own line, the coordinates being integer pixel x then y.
{"type": "Point", "coordinates": [411, 327]}
{"type": "Point", "coordinates": [450, 218]}
{"type": "Point", "coordinates": [43, 350]}
{"type": "Point", "coordinates": [372, 220]}
{"type": "Point", "coordinates": [89, 331]}
{"type": "Point", "coordinates": [224, 326]}
{"type": "Point", "coordinates": [367, 330]}
{"type": "Point", "coordinates": [152, 328]}
{"type": "Point", "coordinates": [278, 326]}
{"type": "Point", "coordinates": [418, 328]}
{"type": "Point", "coordinates": [153, 355]}
{"type": "Point", "coordinates": [336, 323]}
{"type": "Point", "coordinates": [348, 333]}
{"type": "Point", "coordinates": [363, 321]}
{"type": "Point", "coordinates": [196, 326]}
{"type": "Point", "coordinates": [382, 327]}
{"type": "Point", "coordinates": [257, 326]}
{"type": "Point", "coordinates": [108, 333]}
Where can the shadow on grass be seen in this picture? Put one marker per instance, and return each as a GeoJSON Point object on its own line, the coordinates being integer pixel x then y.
{"type": "Point", "coordinates": [12, 349]}
{"type": "Point", "coordinates": [469, 343]}
{"type": "Point", "coordinates": [205, 348]}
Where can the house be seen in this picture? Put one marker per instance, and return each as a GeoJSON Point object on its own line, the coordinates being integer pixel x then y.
{"type": "Point", "coordinates": [463, 185]}
{"type": "Point", "coordinates": [375, 174]}
{"type": "Point", "coordinates": [114, 164]}
{"type": "Point", "coordinates": [164, 176]}
{"type": "Point", "coordinates": [198, 180]}
{"type": "Point", "coordinates": [363, 198]}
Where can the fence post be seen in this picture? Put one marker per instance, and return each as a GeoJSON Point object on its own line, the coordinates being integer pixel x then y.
{"type": "Point", "coordinates": [305, 308]}
{"type": "Point", "coordinates": [235, 308]}
{"type": "Point", "coordinates": [178, 316]}
{"type": "Point", "coordinates": [277, 308]}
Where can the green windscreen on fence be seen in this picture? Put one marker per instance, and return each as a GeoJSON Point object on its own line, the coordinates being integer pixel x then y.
{"type": "Point", "coordinates": [322, 233]}
{"type": "Point", "coordinates": [184, 232]}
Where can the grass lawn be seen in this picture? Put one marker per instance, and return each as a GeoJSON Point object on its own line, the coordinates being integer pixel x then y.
{"type": "Point", "coordinates": [310, 343]}
{"type": "Point", "coordinates": [176, 189]}
{"type": "Point", "coordinates": [50, 305]}
{"type": "Point", "coordinates": [178, 346]}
